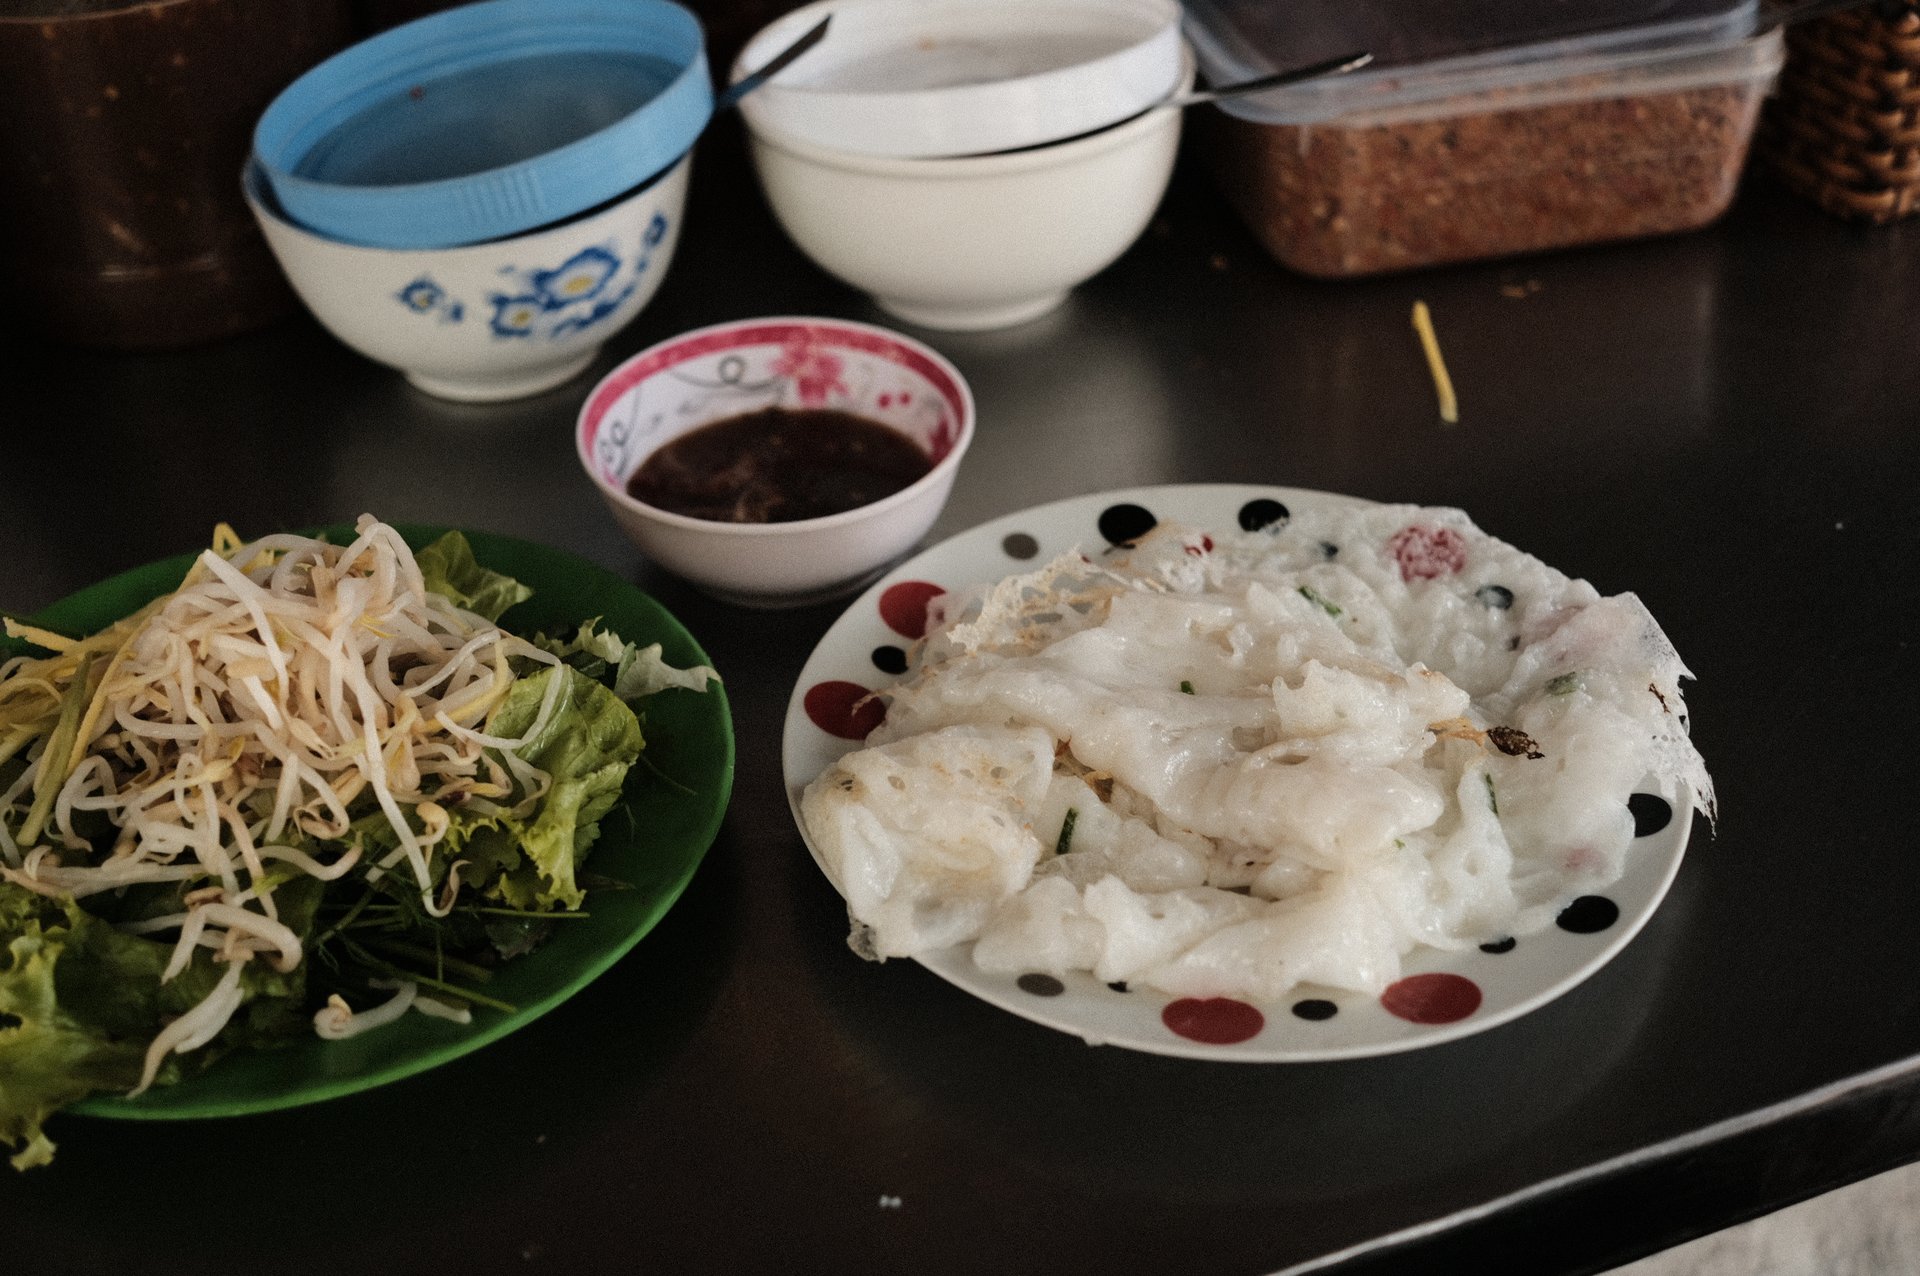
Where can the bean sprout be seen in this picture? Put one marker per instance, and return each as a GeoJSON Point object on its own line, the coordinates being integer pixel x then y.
{"type": "Point", "coordinates": [283, 680]}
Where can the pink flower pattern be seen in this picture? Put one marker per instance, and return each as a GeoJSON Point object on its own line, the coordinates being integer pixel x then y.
{"type": "Point", "coordinates": [814, 370]}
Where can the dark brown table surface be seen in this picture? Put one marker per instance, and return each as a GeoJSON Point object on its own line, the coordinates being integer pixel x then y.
{"type": "Point", "coordinates": [1722, 422]}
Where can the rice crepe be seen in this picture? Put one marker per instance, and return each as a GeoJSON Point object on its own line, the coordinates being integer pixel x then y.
{"type": "Point", "coordinates": [1225, 763]}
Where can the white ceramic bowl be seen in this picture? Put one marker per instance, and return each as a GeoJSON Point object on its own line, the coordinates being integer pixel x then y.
{"type": "Point", "coordinates": [733, 368]}
{"type": "Point", "coordinates": [497, 320]}
{"type": "Point", "coordinates": [977, 242]}
{"type": "Point", "coordinates": [925, 78]}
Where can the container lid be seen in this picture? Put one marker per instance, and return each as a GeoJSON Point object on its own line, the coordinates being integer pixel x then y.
{"type": "Point", "coordinates": [486, 120]}
{"type": "Point", "coordinates": [1428, 49]}
{"type": "Point", "coordinates": [915, 79]}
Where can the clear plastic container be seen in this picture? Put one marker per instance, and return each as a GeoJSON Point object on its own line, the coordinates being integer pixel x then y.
{"type": "Point", "coordinates": [1483, 129]}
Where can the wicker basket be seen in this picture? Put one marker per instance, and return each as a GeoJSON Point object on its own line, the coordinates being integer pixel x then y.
{"type": "Point", "coordinates": [1844, 129]}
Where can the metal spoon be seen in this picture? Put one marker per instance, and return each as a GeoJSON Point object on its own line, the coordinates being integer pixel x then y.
{"type": "Point", "coordinates": [1313, 71]}
{"type": "Point", "coordinates": [778, 63]}
{"type": "Point", "coordinates": [1174, 101]}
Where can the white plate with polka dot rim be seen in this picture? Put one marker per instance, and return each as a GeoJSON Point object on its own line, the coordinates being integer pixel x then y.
{"type": "Point", "coordinates": [1440, 997]}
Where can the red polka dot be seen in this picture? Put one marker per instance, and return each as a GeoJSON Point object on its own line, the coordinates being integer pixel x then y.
{"type": "Point", "coordinates": [904, 606]}
{"type": "Point", "coordinates": [1216, 1021]}
{"type": "Point", "coordinates": [844, 709]}
{"type": "Point", "coordinates": [1436, 998]}
{"type": "Point", "coordinates": [1428, 553]}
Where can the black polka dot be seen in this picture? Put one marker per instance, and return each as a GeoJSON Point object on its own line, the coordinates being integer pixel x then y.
{"type": "Point", "coordinates": [1118, 985]}
{"type": "Point", "coordinates": [1041, 985]}
{"type": "Point", "coordinates": [1498, 597]}
{"type": "Point", "coordinates": [1263, 515]}
{"type": "Point", "coordinates": [889, 660]}
{"type": "Point", "coordinates": [1498, 946]}
{"type": "Point", "coordinates": [1651, 813]}
{"type": "Point", "coordinates": [1329, 550]}
{"type": "Point", "coordinates": [1315, 1008]}
{"type": "Point", "coordinates": [1588, 915]}
{"type": "Point", "coordinates": [1124, 524]}
{"type": "Point", "coordinates": [1020, 545]}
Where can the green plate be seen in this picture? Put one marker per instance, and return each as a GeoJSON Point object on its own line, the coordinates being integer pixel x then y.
{"type": "Point", "coordinates": [689, 738]}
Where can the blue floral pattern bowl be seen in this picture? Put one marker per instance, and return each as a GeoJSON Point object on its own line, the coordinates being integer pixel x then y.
{"type": "Point", "coordinates": [486, 120]}
{"type": "Point", "coordinates": [498, 320]}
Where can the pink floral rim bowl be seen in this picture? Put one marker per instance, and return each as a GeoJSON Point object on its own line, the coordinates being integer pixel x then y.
{"type": "Point", "coordinates": [748, 365]}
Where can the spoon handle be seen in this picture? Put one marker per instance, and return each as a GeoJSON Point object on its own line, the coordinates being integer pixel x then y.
{"type": "Point", "coordinates": [780, 62]}
{"type": "Point", "coordinates": [1332, 66]}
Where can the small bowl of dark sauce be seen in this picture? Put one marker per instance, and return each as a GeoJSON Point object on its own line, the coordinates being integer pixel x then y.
{"type": "Point", "coordinates": [777, 462]}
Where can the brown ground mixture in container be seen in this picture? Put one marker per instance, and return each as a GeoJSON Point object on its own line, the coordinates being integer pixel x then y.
{"type": "Point", "coordinates": [1348, 197]}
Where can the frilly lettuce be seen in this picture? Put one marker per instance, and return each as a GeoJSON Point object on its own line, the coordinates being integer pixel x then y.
{"type": "Point", "coordinates": [48, 1058]}
{"type": "Point", "coordinates": [586, 748]}
{"type": "Point", "coordinates": [636, 671]}
{"type": "Point", "coordinates": [448, 568]}
{"type": "Point", "coordinates": [79, 1001]}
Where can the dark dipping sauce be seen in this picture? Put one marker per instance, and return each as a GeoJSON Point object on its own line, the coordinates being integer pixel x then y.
{"type": "Point", "coordinates": [779, 465]}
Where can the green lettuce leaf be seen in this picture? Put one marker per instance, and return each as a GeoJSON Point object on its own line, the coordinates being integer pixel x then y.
{"type": "Point", "coordinates": [637, 672]}
{"type": "Point", "coordinates": [80, 1000]}
{"type": "Point", "coordinates": [528, 857]}
{"type": "Point", "coordinates": [48, 1059]}
{"type": "Point", "coordinates": [449, 570]}
{"type": "Point", "coordinates": [587, 746]}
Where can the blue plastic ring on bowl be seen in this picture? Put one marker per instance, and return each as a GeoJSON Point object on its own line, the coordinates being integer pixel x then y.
{"type": "Point", "coordinates": [505, 200]}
